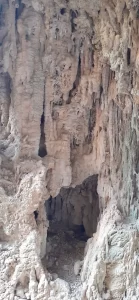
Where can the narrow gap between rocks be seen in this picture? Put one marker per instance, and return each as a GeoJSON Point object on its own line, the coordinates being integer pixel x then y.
{"type": "Point", "coordinates": [19, 9]}
{"type": "Point", "coordinates": [128, 56]}
{"type": "Point", "coordinates": [73, 217]}
{"type": "Point", "coordinates": [42, 147]}
{"type": "Point", "coordinates": [76, 82]}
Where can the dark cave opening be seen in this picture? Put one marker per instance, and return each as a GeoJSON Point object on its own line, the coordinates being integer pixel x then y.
{"type": "Point", "coordinates": [76, 208]}
{"type": "Point", "coordinates": [73, 218]}
{"type": "Point", "coordinates": [63, 11]}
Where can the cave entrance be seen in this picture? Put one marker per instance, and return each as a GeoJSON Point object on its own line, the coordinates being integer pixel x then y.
{"type": "Point", "coordinates": [76, 208]}
{"type": "Point", "coordinates": [73, 217]}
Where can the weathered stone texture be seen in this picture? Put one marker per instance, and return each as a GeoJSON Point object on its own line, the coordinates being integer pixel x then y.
{"type": "Point", "coordinates": [69, 91]}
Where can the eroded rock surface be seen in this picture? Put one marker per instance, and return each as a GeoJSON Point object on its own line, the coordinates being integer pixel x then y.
{"type": "Point", "coordinates": [69, 103]}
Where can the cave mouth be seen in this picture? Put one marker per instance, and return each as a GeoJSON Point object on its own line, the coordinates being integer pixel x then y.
{"type": "Point", "coordinates": [73, 217]}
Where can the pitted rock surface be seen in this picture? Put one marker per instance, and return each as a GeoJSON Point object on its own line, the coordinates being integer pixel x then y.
{"type": "Point", "coordinates": [69, 109]}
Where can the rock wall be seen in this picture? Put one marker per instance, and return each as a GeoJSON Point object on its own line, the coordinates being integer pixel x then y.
{"type": "Point", "coordinates": [69, 102]}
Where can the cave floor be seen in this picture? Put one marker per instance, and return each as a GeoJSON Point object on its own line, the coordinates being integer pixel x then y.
{"type": "Point", "coordinates": [64, 248]}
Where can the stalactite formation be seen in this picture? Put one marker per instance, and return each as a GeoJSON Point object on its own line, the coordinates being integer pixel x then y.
{"type": "Point", "coordinates": [69, 149]}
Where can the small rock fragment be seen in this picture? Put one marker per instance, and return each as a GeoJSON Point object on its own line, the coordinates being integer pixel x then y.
{"type": "Point", "coordinates": [77, 267]}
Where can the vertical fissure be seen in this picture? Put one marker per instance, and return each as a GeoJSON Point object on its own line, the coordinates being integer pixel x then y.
{"type": "Point", "coordinates": [42, 147]}
{"type": "Point", "coordinates": [76, 82]}
{"type": "Point", "coordinates": [19, 9]}
{"type": "Point", "coordinates": [128, 56]}
{"type": "Point", "coordinates": [73, 15]}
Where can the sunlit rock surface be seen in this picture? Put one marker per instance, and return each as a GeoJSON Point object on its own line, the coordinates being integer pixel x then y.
{"type": "Point", "coordinates": [69, 109]}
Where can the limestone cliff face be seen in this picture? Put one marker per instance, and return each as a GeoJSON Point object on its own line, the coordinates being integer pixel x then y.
{"type": "Point", "coordinates": [69, 103]}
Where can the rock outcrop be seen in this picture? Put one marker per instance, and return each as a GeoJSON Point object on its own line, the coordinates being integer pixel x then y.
{"type": "Point", "coordinates": [69, 103]}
